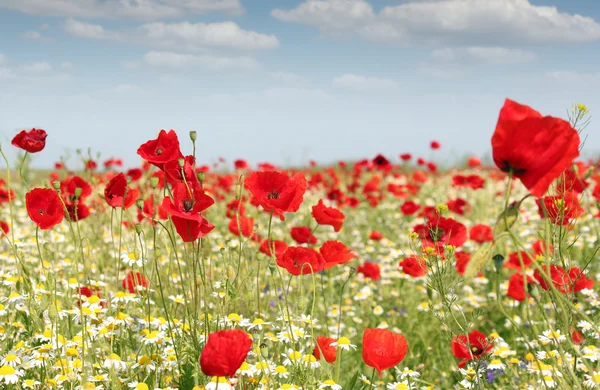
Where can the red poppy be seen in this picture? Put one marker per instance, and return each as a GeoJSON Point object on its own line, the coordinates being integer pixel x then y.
{"type": "Point", "coordinates": [558, 277]}
{"type": "Point", "coordinates": [6, 196]}
{"type": "Point", "coordinates": [536, 149]}
{"type": "Point", "coordinates": [77, 210]}
{"type": "Point", "coordinates": [369, 270]}
{"type": "Point", "coordinates": [539, 248]}
{"type": "Point", "coordinates": [279, 247]}
{"type": "Point", "coordinates": [481, 233]}
{"type": "Point", "coordinates": [515, 258]}
{"type": "Point", "coordinates": [31, 141]}
{"type": "Point", "coordinates": [380, 162]}
{"type": "Point", "coordinates": [375, 235]}
{"type": "Point", "coordinates": [560, 209]}
{"type": "Point", "coordinates": [414, 266]}
{"type": "Point", "coordinates": [409, 207]}
{"type": "Point", "coordinates": [224, 352]}
{"type": "Point", "coordinates": [383, 349]}
{"type": "Point", "coordinates": [470, 347]}
{"type": "Point", "coordinates": [185, 210]}
{"type": "Point", "coordinates": [432, 167]}
{"type": "Point", "coordinates": [405, 156]}
{"type": "Point", "coordinates": [246, 224]}
{"type": "Point", "coordinates": [68, 188]}
{"type": "Point", "coordinates": [328, 216]}
{"type": "Point", "coordinates": [441, 231]}
{"type": "Point", "coordinates": [517, 286]}
{"type": "Point", "coordinates": [303, 235]}
{"type": "Point", "coordinates": [462, 260]}
{"type": "Point", "coordinates": [241, 164]}
{"type": "Point", "coordinates": [44, 207]}
{"type": "Point", "coordinates": [473, 162]}
{"type": "Point", "coordinates": [324, 345]}
{"type": "Point", "coordinates": [334, 253]}
{"type": "Point", "coordinates": [472, 181]}
{"type": "Point", "coordinates": [459, 206]}
{"type": "Point", "coordinates": [134, 281]}
{"type": "Point", "coordinates": [118, 194]}
{"type": "Point", "coordinates": [573, 179]}
{"type": "Point", "coordinates": [91, 165]}
{"type": "Point", "coordinates": [134, 174]}
{"type": "Point", "coordinates": [435, 145]}
{"type": "Point", "coordinates": [174, 172]}
{"type": "Point", "coordinates": [5, 228]}
{"type": "Point", "coordinates": [276, 192]}
{"type": "Point", "coordinates": [162, 149]}
{"type": "Point", "coordinates": [298, 260]}
{"type": "Point", "coordinates": [579, 280]}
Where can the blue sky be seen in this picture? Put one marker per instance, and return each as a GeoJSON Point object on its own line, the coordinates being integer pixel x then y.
{"type": "Point", "coordinates": [287, 81]}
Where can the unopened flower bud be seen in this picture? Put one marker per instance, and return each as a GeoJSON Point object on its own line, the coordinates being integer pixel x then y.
{"type": "Point", "coordinates": [498, 261]}
{"type": "Point", "coordinates": [56, 185]}
{"type": "Point", "coordinates": [138, 228]}
{"type": "Point", "coordinates": [139, 203]}
{"type": "Point", "coordinates": [181, 162]}
{"type": "Point", "coordinates": [154, 181]}
{"type": "Point", "coordinates": [193, 135]}
{"type": "Point", "coordinates": [200, 176]}
{"type": "Point", "coordinates": [78, 192]}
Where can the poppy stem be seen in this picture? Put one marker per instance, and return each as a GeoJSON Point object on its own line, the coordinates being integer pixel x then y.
{"type": "Point", "coordinates": [21, 170]}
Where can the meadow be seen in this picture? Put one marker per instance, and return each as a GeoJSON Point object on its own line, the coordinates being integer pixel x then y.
{"type": "Point", "coordinates": [384, 273]}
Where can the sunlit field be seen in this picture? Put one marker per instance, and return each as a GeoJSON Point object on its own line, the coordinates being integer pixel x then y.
{"type": "Point", "coordinates": [385, 273]}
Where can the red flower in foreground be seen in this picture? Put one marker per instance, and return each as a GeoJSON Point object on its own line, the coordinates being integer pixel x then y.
{"type": "Point", "coordinates": [481, 233]}
{"type": "Point", "coordinates": [162, 149]}
{"type": "Point", "coordinates": [334, 253]}
{"type": "Point", "coordinates": [117, 194]}
{"type": "Point", "coordinates": [560, 209]}
{"type": "Point", "coordinates": [536, 149]}
{"type": "Point", "coordinates": [517, 286]}
{"type": "Point", "coordinates": [298, 260]}
{"type": "Point", "coordinates": [442, 231]}
{"type": "Point", "coordinates": [185, 210]}
{"type": "Point", "coordinates": [369, 270]}
{"type": "Point", "coordinates": [414, 266]}
{"type": "Point", "coordinates": [579, 280]}
{"type": "Point", "coordinates": [470, 347]}
{"type": "Point", "coordinates": [224, 352]}
{"type": "Point", "coordinates": [134, 281]}
{"type": "Point", "coordinates": [324, 345]}
{"type": "Point", "coordinates": [44, 207]}
{"type": "Point", "coordinates": [303, 235]}
{"type": "Point", "coordinates": [515, 258]}
{"type": "Point", "coordinates": [31, 141]}
{"type": "Point", "coordinates": [278, 246]}
{"type": "Point", "coordinates": [383, 349]}
{"type": "Point", "coordinates": [276, 192]}
{"type": "Point", "coordinates": [328, 216]}
{"type": "Point", "coordinates": [558, 278]}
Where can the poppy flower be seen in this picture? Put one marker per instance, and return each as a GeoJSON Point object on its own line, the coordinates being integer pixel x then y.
{"type": "Point", "coordinates": [536, 149]}
{"type": "Point", "coordinates": [381, 162]}
{"type": "Point", "coordinates": [303, 235]}
{"type": "Point", "coordinates": [5, 228]}
{"type": "Point", "coordinates": [299, 260]}
{"type": "Point", "coordinates": [6, 196]}
{"type": "Point", "coordinates": [432, 167]}
{"type": "Point", "coordinates": [185, 210]}
{"type": "Point", "coordinates": [470, 347]}
{"type": "Point", "coordinates": [462, 260]}
{"type": "Point", "coordinates": [558, 277]}
{"type": "Point", "coordinates": [69, 186]}
{"type": "Point", "coordinates": [383, 349]}
{"type": "Point", "coordinates": [573, 179]}
{"type": "Point", "coordinates": [91, 165]}
{"type": "Point", "coordinates": [224, 352]}
{"type": "Point", "coordinates": [375, 236]}
{"type": "Point", "coordinates": [174, 172]}
{"type": "Point", "coordinates": [441, 231]}
{"type": "Point", "coordinates": [459, 206]}
{"type": "Point", "coordinates": [471, 181]}
{"type": "Point", "coordinates": [405, 156]}
{"type": "Point", "coordinates": [517, 286]}
{"type": "Point", "coordinates": [369, 270]}
{"type": "Point", "coordinates": [77, 211]}
{"type": "Point", "coordinates": [435, 145]}
{"type": "Point", "coordinates": [560, 209]}
{"type": "Point", "coordinates": [328, 216]}
{"type": "Point", "coordinates": [135, 280]}
{"type": "Point", "coordinates": [579, 280]}
{"type": "Point", "coordinates": [134, 174]}
{"type": "Point", "coordinates": [246, 224]}
{"type": "Point", "coordinates": [539, 247]}
{"type": "Point", "coordinates": [162, 149]}
{"type": "Point", "coordinates": [414, 266]}
{"type": "Point", "coordinates": [279, 247]}
{"type": "Point", "coordinates": [473, 162]}
{"type": "Point", "coordinates": [515, 258]}
{"type": "Point", "coordinates": [276, 192]}
{"type": "Point", "coordinates": [118, 194]}
{"type": "Point", "coordinates": [481, 233]}
{"type": "Point", "coordinates": [334, 253]}
{"type": "Point", "coordinates": [324, 346]}
{"type": "Point", "coordinates": [409, 207]}
{"type": "Point", "coordinates": [31, 141]}
{"type": "Point", "coordinates": [241, 164]}
{"type": "Point", "coordinates": [44, 207]}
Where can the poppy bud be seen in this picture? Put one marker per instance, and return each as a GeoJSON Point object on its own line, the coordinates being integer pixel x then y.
{"type": "Point", "coordinates": [138, 228]}
{"type": "Point", "coordinates": [238, 192]}
{"type": "Point", "coordinates": [154, 182]}
{"type": "Point", "coordinates": [193, 135]}
{"type": "Point", "coordinates": [139, 203]}
{"type": "Point", "coordinates": [200, 176]}
{"type": "Point", "coordinates": [498, 260]}
{"type": "Point", "coordinates": [78, 191]}
{"type": "Point", "coordinates": [181, 162]}
{"type": "Point", "coordinates": [56, 185]}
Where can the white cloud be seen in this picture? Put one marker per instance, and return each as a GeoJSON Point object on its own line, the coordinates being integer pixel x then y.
{"type": "Point", "coordinates": [3, 58]}
{"type": "Point", "coordinates": [122, 9]}
{"type": "Point", "coordinates": [32, 35]}
{"type": "Point", "coordinates": [470, 22]}
{"type": "Point", "coordinates": [6, 74]}
{"type": "Point", "coordinates": [184, 35]}
{"type": "Point", "coordinates": [37, 67]}
{"type": "Point", "coordinates": [487, 55]}
{"type": "Point", "coordinates": [177, 61]}
{"type": "Point", "coordinates": [288, 77]}
{"type": "Point", "coordinates": [66, 65]}
{"type": "Point", "coordinates": [363, 83]}
{"type": "Point", "coordinates": [573, 78]}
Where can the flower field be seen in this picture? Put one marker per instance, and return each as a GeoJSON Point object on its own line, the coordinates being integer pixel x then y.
{"type": "Point", "coordinates": [385, 273]}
